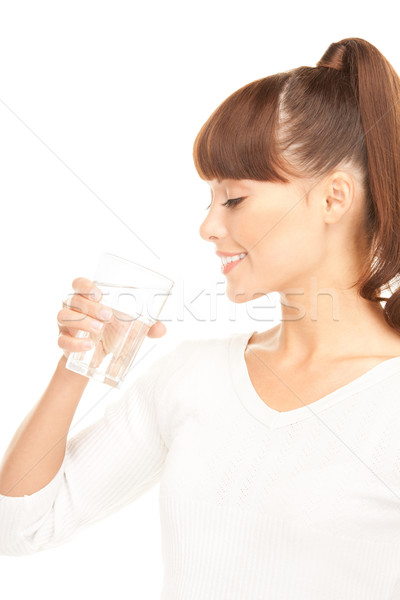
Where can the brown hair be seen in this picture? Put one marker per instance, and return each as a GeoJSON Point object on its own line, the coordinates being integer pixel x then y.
{"type": "Point", "coordinates": [309, 120]}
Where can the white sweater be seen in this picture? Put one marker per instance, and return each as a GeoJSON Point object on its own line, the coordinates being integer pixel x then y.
{"type": "Point", "coordinates": [255, 504]}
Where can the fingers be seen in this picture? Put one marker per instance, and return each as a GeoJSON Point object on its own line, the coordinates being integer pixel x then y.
{"type": "Point", "coordinates": [82, 324]}
{"type": "Point", "coordinates": [77, 320]}
{"type": "Point", "coordinates": [80, 303]}
{"type": "Point", "coordinates": [87, 288]}
{"type": "Point", "coordinates": [81, 312]}
{"type": "Point", "coordinates": [157, 330]}
{"type": "Point", "coordinates": [70, 343]}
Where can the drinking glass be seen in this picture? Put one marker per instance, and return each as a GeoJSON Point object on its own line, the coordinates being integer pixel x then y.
{"type": "Point", "coordinates": [136, 296]}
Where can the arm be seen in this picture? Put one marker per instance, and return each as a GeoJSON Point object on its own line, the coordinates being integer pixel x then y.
{"type": "Point", "coordinates": [106, 466]}
{"type": "Point", "coordinates": [37, 450]}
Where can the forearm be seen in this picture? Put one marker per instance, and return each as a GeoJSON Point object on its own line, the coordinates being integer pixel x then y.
{"type": "Point", "coordinates": [37, 449]}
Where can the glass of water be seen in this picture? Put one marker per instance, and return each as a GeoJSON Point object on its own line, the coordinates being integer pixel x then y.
{"type": "Point", "coordinates": [136, 296]}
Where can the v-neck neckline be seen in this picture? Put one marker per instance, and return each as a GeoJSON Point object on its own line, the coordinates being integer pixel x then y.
{"type": "Point", "coordinates": [274, 418]}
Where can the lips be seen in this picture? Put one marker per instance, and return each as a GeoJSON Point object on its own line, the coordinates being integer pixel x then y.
{"type": "Point", "coordinates": [231, 265]}
{"type": "Point", "coordinates": [221, 254]}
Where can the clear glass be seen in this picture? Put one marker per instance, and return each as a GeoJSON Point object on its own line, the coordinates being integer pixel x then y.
{"type": "Point", "coordinates": [136, 296]}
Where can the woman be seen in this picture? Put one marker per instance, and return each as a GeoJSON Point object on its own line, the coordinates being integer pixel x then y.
{"type": "Point", "coordinates": [278, 453]}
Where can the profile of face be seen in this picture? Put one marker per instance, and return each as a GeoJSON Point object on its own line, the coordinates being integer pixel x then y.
{"type": "Point", "coordinates": [285, 230]}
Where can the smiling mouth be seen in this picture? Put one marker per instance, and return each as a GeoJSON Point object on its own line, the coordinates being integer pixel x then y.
{"type": "Point", "coordinates": [228, 259]}
{"type": "Point", "coordinates": [228, 266]}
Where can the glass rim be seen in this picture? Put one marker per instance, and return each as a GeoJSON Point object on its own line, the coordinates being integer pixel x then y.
{"type": "Point", "coordinates": [131, 262]}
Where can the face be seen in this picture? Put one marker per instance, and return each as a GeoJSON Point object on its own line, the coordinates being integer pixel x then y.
{"type": "Point", "coordinates": [281, 231]}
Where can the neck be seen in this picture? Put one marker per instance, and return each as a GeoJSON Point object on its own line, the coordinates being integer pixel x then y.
{"type": "Point", "coordinates": [325, 323]}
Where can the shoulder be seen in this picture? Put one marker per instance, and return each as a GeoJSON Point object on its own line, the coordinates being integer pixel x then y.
{"type": "Point", "coordinates": [200, 348]}
{"type": "Point", "coordinates": [193, 374]}
{"type": "Point", "coordinates": [196, 362]}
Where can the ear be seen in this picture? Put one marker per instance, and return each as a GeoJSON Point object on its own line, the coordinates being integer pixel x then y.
{"type": "Point", "coordinates": [338, 196]}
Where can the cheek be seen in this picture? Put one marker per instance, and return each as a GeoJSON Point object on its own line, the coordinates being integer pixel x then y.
{"type": "Point", "coordinates": [290, 245]}
{"type": "Point", "coordinates": [279, 238]}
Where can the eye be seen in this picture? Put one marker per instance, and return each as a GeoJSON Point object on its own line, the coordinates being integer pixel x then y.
{"type": "Point", "coordinates": [232, 202]}
{"type": "Point", "coordinates": [229, 203]}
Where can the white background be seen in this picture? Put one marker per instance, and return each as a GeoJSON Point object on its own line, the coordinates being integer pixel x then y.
{"type": "Point", "coordinates": [100, 103]}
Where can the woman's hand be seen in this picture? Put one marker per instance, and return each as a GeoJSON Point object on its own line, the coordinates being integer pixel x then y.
{"type": "Point", "coordinates": [83, 311]}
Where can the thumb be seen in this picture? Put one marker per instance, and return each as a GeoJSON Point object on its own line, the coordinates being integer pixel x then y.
{"type": "Point", "coordinates": [157, 330]}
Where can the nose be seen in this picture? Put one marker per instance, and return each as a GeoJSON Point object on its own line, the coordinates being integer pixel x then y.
{"type": "Point", "coordinates": [212, 227]}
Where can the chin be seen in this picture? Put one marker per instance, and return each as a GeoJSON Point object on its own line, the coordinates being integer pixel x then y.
{"type": "Point", "coordinates": [239, 296]}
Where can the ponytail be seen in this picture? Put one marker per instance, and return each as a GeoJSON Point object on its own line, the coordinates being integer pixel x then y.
{"type": "Point", "coordinates": [376, 86]}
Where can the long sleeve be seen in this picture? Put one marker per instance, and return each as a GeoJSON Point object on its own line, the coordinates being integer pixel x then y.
{"type": "Point", "coordinates": [106, 466]}
{"type": "Point", "coordinates": [254, 503]}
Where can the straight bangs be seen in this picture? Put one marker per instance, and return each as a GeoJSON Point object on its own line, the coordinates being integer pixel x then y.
{"type": "Point", "coordinates": [239, 139]}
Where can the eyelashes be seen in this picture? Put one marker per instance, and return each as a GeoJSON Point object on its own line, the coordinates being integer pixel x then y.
{"type": "Point", "coordinates": [232, 202]}
{"type": "Point", "coordinates": [229, 203]}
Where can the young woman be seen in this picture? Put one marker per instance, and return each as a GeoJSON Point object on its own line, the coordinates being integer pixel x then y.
{"type": "Point", "coordinates": [277, 452]}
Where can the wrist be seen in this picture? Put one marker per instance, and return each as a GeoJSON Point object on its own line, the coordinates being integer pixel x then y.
{"type": "Point", "coordinates": [70, 376]}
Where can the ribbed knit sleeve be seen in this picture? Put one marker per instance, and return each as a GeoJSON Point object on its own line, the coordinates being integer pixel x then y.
{"type": "Point", "coordinates": [107, 465]}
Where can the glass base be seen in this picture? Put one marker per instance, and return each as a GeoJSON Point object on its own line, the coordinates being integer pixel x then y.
{"type": "Point", "coordinates": [82, 368]}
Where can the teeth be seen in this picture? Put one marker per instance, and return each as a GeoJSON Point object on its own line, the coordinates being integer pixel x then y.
{"type": "Point", "coordinates": [229, 259]}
